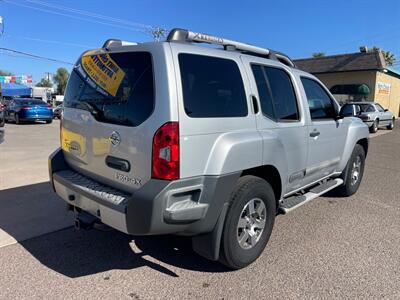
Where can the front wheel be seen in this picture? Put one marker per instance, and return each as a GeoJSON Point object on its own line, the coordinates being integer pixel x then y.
{"type": "Point", "coordinates": [249, 222]}
{"type": "Point", "coordinates": [49, 121]}
{"type": "Point", "coordinates": [391, 125]}
{"type": "Point", "coordinates": [353, 173]}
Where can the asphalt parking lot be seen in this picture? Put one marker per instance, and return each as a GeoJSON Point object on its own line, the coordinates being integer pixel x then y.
{"type": "Point", "coordinates": [330, 248]}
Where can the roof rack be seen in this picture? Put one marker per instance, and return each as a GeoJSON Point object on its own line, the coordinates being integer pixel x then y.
{"type": "Point", "coordinates": [183, 35]}
{"type": "Point", "coordinates": [116, 43]}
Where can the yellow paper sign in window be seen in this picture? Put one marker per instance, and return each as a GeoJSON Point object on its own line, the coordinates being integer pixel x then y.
{"type": "Point", "coordinates": [104, 71]}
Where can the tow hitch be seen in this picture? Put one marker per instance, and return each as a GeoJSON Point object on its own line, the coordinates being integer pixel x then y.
{"type": "Point", "coordinates": [85, 220]}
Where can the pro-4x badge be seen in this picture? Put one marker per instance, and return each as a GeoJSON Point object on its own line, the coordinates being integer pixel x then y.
{"type": "Point", "coordinates": [115, 139]}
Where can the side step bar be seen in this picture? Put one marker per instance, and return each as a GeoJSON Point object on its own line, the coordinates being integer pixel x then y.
{"type": "Point", "coordinates": [294, 202]}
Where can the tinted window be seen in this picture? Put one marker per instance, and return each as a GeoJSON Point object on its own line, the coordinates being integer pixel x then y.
{"type": "Point", "coordinates": [263, 91]}
{"type": "Point", "coordinates": [276, 93]}
{"type": "Point", "coordinates": [30, 102]}
{"type": "Point", "coordinates": [321, 105]}
{"type": "Point", "coordinates": [370, 109]}
{"type": "Point", "coordinates": [212, 87]}
{"type": "Point", "coordinates": [116, 87]}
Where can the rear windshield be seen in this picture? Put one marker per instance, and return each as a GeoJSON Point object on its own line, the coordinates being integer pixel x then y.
{"type": "Point", "coordinates": [29, 102]}
{"type": "Point", "coordinates": [116, 88]}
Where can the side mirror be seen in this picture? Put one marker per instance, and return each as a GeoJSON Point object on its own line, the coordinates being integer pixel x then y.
{"type": "Point", "coordinates": [386, 109]}
{"type": "Point", "coordinates": [346, 111]}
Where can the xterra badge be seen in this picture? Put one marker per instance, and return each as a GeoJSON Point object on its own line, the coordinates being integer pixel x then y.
{"type": "Point", "coordinates": [125, 179]}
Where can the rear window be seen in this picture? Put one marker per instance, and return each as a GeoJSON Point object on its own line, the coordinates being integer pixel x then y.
{"type": "Point", "coordinates": [212, 87]}
{"type": "Point", "coordinates": [116, 88]}
{"type": "Point", "coordinates": [30, 102]}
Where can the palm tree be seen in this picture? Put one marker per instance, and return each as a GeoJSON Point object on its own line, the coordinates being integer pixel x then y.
{"type": "Point", "coordinates": [389, 57]}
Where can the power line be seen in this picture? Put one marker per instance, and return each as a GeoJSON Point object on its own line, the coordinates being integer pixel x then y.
{"type": "Point", "coordinates": [89, 14]}
{"type": "Point", "coordinates": [34, 56]}
{"type": "Point", "coordinates": [73, 17]}
{"type": "Point", "coordinates": [48, 41]}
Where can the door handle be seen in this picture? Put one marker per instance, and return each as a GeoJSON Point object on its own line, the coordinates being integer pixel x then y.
{"type": "Point", "coordinates": [118, 163]}
{"type": "Point", "coordinates": [314, 133]}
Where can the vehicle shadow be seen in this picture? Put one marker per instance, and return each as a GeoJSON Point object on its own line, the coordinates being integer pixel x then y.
{"type": "Point", "coordinates": [29, 211]}
{"type": "Point", "coordinates": [36, 216]}
{"type": "Point", "coordinates": [80, 253]}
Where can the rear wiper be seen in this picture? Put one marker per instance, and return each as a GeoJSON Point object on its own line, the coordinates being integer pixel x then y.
{"type": "Point", "coordinates": [93, 109]}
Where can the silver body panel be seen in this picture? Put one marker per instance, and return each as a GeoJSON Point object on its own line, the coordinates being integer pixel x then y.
{"type": "Point", "coordinates": [217, 146]}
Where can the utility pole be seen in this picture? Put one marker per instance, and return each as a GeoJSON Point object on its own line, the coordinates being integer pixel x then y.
{"type": "Point", "coordinates": [48, 76]}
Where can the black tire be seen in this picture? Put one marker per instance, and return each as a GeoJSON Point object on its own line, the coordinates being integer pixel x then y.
{"type": "Point", "coordinates": [17, 120]}
{"type": "Point", "coordinates": [49, 121]}
{"type": "Point", "coordinates": [247, 189]}
{"type": "Point", "coordinates": [350, 186]}
{"type": "Point", "coordinates": [374, 127]}
{"type": "Point", "coordinates": [391, 125]}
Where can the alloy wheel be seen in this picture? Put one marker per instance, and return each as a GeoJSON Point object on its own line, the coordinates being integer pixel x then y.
{"type": "Point", "coordinates": [251, 223]}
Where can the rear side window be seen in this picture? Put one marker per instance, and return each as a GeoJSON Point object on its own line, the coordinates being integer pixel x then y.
{"type": "Point", "coordinates": [212, 87]}
{"type": "Point", "coordinates": [319, 102]}
{"type": "Point", "coordinates": [277, 96]}
{"type": "Point", "coordinates": [116, 88]}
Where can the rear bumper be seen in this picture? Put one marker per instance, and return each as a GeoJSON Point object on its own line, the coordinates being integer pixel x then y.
{"type": "Point", "coordinates": [188, 206]}
{"type": "Point", "coordinates": [369, 123]}
{"type": "Point", "coordinates": [29, 116]}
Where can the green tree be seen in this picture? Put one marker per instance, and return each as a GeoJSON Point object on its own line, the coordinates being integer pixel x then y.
{"type": "Point", "coordinates": [318, 54]}
{"type": "Point", "coordinates": [44, 82]}
{"type": "Point", "coordinates": [61, 78]}
{"type": "Point", "coordinates": [5, 73]}
{"type": "Point", "coordinates": [389, 57]}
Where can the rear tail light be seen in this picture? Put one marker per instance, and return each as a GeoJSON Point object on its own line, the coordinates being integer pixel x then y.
{"type": "Point", "coordinates": [2, 107]}
{"type": "Point", "coordinates": [165, 157]}
{"type": "Point", "coordinates": [50, 106]}
{"type": "Point", "coordinates": [364, 117]}
{"type": "Point", "coordinates": [26, 107]}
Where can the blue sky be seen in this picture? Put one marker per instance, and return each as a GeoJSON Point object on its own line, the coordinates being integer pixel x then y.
{"type": "Point", "coordinates": [297, 28]}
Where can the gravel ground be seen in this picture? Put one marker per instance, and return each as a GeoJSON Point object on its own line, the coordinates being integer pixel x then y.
{"type": "Point", "coordinates": [343, 248]}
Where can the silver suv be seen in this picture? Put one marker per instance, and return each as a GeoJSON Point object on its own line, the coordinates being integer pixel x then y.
{"type": "Point", "coordinates": [209, 142]}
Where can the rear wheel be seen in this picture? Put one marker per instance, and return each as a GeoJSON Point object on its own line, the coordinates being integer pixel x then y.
{"type": "Point", "coordinates": [249, 222]}
{"type": "Point", "coordinates": [353, 173]}
{"type": "Point", "coordinates": [391, 125]}
{"type": "Point", "coordinates": [374, 127]}
{"type": "Point", "coordinates": [49, 121]}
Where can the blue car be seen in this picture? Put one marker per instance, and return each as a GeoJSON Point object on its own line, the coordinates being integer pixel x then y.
{"type": "Point", "coordinates": [28, 109]}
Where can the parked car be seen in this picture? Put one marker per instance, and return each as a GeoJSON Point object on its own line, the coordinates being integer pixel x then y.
{"type": "Point", "coordinates": [58, 111]}
{"type": "Point", "coordinates": [28, 109]}
{"type": "Point", "coordinates": [372, 114]}
{"type": "Point", "coordinates": [202, 142]}
{"type": "Point", "coordinates": [2, 120]}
